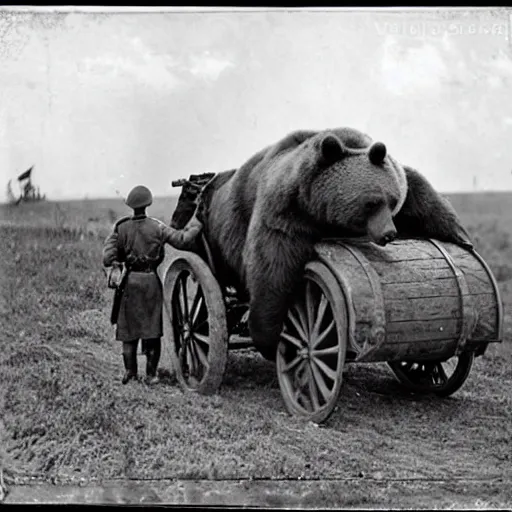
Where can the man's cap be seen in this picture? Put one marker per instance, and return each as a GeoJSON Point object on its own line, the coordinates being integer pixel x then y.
{"type": "Point", "coordinates": [139, 197]}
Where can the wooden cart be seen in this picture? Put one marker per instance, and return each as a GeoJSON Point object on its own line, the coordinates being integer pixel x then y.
{"type": "Point", "coordinates": [426, 308]}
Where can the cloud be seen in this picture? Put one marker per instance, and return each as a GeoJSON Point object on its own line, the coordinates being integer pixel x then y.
{"type": "Point", "coordinates": [160, 71]}
{"type": "Point", "coordinates": [208, 67]}
{"type": "Point", "coordinates": [501, 64]}
{"type": "Point", "coordinates": [413, 69]}
{"type": "Point", "coordinates": [494, 81]}
{"type": "Point", "coordinates": [88, 57]}
{"type": "Point", "coordinates": [137, 61]}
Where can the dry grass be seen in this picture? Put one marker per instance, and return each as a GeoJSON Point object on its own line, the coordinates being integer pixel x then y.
{"type": "Point", "coordinates": [65, 416]}
{"type": "Point", "coordinates": [81, 218]}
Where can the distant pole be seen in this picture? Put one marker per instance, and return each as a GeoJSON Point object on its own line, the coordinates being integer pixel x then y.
{"type": "Point", "coordinates": [475, 185]}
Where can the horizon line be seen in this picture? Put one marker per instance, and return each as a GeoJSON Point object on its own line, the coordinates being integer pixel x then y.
{"type": "Point", "coordinates": [158, 197]}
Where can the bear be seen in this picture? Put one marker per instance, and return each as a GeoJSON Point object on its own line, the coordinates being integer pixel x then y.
{"type": "Point", "coordinates": [263, 219]}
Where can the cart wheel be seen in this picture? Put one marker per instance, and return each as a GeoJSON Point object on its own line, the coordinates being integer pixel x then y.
{"type": "Point", "coordinates": [311, 353]}
{"type": "Point", "coordinates": [442, 378]}
{"type": "Point", "coordinates": [195, 324]}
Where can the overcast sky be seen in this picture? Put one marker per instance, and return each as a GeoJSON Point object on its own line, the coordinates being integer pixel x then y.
{"type": "Point", "coordinates": [100, 103]}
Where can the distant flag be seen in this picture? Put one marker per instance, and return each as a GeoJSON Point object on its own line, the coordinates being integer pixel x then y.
{"type": "Point", "coordinates": [25, 175]}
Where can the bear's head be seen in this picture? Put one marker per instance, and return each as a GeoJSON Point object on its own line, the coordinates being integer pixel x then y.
{"type": "Point", "coordinates": [348, 181]}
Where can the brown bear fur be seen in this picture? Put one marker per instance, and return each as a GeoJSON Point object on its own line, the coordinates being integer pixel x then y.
{"type": "Point", "coordinates": [263, 220]}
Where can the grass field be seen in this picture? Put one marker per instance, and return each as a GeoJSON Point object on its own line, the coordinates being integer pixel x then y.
{"type": "Point", "coordinates": [65, 416]}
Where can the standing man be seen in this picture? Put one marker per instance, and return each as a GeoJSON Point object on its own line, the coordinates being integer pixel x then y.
{"type": "Point", "coordinates": [138, 243]}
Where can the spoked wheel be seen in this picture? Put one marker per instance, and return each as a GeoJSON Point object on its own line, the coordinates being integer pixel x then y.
{"type": "Point", "coordinates": [311, 353]}
{"type": "Point", "coordinates": [195, 324]}
{"type": "Point", "coordinates": [443, 378]}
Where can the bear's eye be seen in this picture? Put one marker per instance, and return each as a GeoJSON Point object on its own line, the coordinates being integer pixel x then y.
{"type": "Point", "coordinates": [373, 205]}
{"type": "Point", "coordinates": [392, 203]}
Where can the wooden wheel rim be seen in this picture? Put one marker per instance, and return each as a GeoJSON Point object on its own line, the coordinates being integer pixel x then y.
{"type": "Point", "coordinates": [191, 329]}
{"type": "Point", "coordinates": [439, 377]}
{"type": "Point", "coordinates": [195, 324]}
{"type": "Point", "coordinates": [311, 352]}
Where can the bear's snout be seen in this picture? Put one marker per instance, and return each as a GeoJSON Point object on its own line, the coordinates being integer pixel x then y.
{"type": "Point", "coordinates": [381, 227]}
{"type": "Point", "coordinates": [377, 153]}
{"type": "Point", "coordinates": [388, 237]}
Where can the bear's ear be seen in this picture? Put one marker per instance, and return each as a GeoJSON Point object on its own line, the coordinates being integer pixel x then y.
{"type": "Point", "coordinates": [331, 149]}
{"type": "Point", "coordinates": [377, 153]}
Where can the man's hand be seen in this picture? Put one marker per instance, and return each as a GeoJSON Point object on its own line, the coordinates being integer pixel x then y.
{"type": "Point", "coordinates": [114, 275]}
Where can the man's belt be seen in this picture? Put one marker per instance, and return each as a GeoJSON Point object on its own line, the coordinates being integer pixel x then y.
{"type": "Point", "coordinates": [145, 268]}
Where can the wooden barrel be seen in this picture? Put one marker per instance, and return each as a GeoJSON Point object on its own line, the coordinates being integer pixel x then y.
{"type": "Point", "coordinates": [414, 299]}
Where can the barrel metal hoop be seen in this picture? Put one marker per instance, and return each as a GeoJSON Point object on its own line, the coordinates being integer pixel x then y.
{"type": "Point", "coordinates": [499, 303]}
{"type": "Point", "coordinates": [469, 313]}
{"type": "Point", "coordinates": [378, 329]}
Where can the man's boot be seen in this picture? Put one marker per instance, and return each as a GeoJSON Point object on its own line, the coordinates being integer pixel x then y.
{"type": "Point", "coordinates": [130, 360]}
{"type": "Point", "coordinates": [153, 350]}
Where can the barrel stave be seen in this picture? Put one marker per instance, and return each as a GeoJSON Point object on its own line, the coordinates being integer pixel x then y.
{"type": "Point", "coordinates": [485, 296]}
